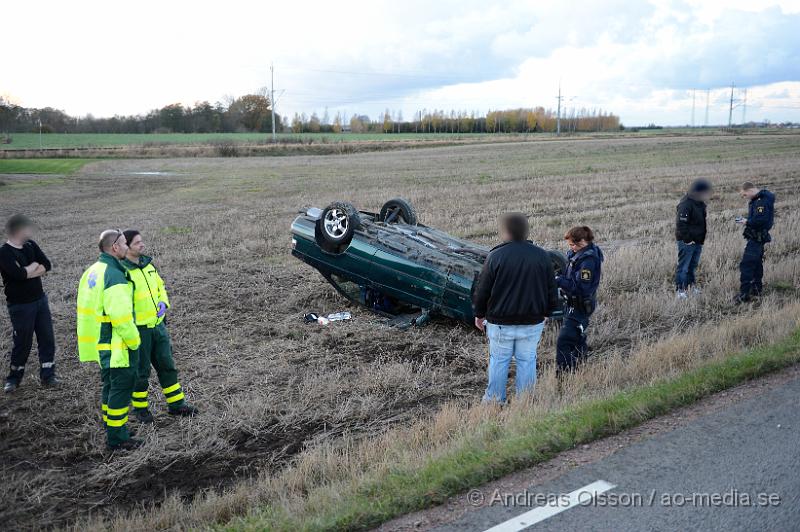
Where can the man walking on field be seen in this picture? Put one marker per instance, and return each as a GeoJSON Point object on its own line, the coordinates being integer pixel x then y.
{"type": "Point", "coordinates": [107, 334]}
{"type": "Point", "coordinates": [690, 233]}
{"type": "Point", "coordinates": [151, 303]}
{"type": "Point", "coordinates": [515, 292]}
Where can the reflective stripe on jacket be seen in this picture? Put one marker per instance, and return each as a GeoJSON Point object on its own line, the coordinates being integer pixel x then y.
{"type": "Point", "coordinates": [105, 320]}
{"type": "Point", "coordinates": [148, 291]}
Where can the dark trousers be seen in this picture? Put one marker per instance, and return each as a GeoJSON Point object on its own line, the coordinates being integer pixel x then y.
{"type": "Point", "coordinates": [571, 346]}
{"type": "Point", "coordinates": [118, 384]}
{"type": "Point", "coordinates": [28, 319]}
{"type": "Point", "coordinates": [751, 269]}
{"type": "Point", "coordinates": [688, 259]}
{"type": "Point", "coordinates": [156, 351]}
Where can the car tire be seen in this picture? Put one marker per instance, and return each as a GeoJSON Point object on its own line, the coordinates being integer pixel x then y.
{"type": "Point", "coordinates": [338, 222]}
{"type": "Point", "coordinates": [398, 210]}
{"type": "Point", "coordinates": [559, 261]}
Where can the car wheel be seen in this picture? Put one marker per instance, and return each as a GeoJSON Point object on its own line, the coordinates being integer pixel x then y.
{"type": "Point", "coordinates": [338, 222]}
{"type": "Point", "coordinates": [397, 211]}
{"type": "Point", "coordinates": [559, 262]}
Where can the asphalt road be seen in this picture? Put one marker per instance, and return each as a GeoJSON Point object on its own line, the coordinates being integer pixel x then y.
{"type": "Point", "coordinates": [734, 469]}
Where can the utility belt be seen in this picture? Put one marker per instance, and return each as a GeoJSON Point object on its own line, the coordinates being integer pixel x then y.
{"type": "Point", "coordinates": [584, 305]}
{"type": "Point", "coordinates": [756, 235]}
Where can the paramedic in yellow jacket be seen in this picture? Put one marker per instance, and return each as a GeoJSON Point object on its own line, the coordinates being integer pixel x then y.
{"type": "Point", "coordinates": [150, 303]}
{"type": "Point", "coordinates": [107, 334]}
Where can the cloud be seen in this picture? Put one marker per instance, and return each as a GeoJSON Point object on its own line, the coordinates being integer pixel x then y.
{"type": "Point", "coordinates": [639, 59]}
{"type": "Point", "coordinates": [750, 48]}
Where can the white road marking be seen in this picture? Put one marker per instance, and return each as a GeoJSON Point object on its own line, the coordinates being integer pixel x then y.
{"type": "Point", "coordinates": [539, 514]}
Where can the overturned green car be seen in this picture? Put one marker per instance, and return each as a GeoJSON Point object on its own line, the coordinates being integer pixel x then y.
{"type": "Point", "coordinates": [390, 263]}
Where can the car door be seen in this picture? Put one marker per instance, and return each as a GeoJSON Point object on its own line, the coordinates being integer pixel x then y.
{"type": "Point", "coordinates": [457, 295]}
{"type": "Point", "coordinates": [407, 279]}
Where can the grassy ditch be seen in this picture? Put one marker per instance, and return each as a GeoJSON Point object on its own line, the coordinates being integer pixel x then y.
{"type": "Point", "coordinates": [494, 451]}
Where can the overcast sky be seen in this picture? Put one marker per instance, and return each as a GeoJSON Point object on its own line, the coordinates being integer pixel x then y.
{"type": "Point", "coordinates": [638, 59]}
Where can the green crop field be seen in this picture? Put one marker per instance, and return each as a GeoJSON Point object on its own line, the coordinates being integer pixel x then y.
{"type": "Point", "coordinates": [41, 166]}
{"type": "Point", "coordinates": [30, 141]}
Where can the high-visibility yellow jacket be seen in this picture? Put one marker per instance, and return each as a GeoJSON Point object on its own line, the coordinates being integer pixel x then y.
{"type": "Point", "coordinates": [106, 326]}
{"type": "Point", "coordinates": [148, 291]}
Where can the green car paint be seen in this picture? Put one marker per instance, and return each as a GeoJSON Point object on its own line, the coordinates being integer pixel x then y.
{"type": "Point", "coordinates": [412, 264]}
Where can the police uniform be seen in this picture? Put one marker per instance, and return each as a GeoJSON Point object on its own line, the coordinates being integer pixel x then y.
{"type": "Point", "coordinates": [756, 231]}
{"type": "Point", "coordinates": [579, 283]}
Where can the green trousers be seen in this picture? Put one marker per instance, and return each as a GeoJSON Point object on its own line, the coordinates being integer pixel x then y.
{"type": "Point", "coordinates": [156, 351]}
{"type": "Point", "coordinates": [118, 385]}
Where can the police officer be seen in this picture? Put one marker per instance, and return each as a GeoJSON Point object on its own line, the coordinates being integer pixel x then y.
{"type": "Point", "coordinates": [759, 221]}
{"type": "Point", "coordinates": [107, 334]}
{"type": "Point", "coordinates": [150, 303]}
{"type": "Point", "coordinates": [579, 283]}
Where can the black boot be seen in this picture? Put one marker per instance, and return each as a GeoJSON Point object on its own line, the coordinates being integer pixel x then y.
{"type": "Point", "coordinates": [143, 415]}
{"type": "Point", "coordinates": [51, 382]}
{"type": "Point", "coordinates": [127, 445]}
{"type": "Point", "coordinates": [742, 298]}
{"type": "Point", "coordinates": [185, 410]}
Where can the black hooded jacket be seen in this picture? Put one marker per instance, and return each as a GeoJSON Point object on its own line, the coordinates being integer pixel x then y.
{"type": "Point", "coordinates": [690, 225]}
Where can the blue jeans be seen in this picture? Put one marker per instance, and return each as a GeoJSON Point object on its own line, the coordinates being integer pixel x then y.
{"type": "Point", "coordinates": [751, 269]}
{"type": "Point", "coordinates": [688, 259]}
{"type": "Point", "coordinates": [506, 341]}
{"type": "Point", "coordinates": [28, 319]}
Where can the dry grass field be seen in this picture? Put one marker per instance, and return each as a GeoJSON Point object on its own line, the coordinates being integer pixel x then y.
{"type": "Point", "coordinates": [294, 412]}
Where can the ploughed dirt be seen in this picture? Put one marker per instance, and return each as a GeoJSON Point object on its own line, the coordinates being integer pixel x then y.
{"type": "Point", "coordinates": [269, 386]}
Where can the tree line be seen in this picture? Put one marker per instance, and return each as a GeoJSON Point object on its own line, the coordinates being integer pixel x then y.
{"type": "Point", "coordinates": [249, 113]}
{"type": "Point", "coordinates": [521, 120]}
{"type": "Point", "coordinates": [253, 113]}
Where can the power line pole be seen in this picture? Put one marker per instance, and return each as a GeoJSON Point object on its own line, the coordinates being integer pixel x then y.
{"type": "Point", "coordinates": [272, 98]}
{"type": "Point", "coordinates": [708, 99]}
{"type": "Point", "coordinates": [730, 109]}
{"type": "Point", "coordinates": [744, 107]}
{"type": "Point", "coordinates": [558, 113]}
{"type": "Point", "coordinates": [693, 104]}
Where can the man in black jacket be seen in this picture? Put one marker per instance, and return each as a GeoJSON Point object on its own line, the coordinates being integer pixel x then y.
{"type": "Point", "coordinates": [22, 265]}
{"type": "Point", "coordinates": [514, 294]}
{"type": "Point", "coordinates": [690, 233]}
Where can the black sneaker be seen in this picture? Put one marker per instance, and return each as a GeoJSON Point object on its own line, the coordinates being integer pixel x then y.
{"type": "Point", "coordinates": [51, 382]}
{"type": "Point", "coordinates": [143, 416]}
{"type": "Point", "coordinates": [184, 410]}
{"type": "Point", "coordinates": [127, 445]}
{"type": "Point", "coordinates": [10, 386]}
